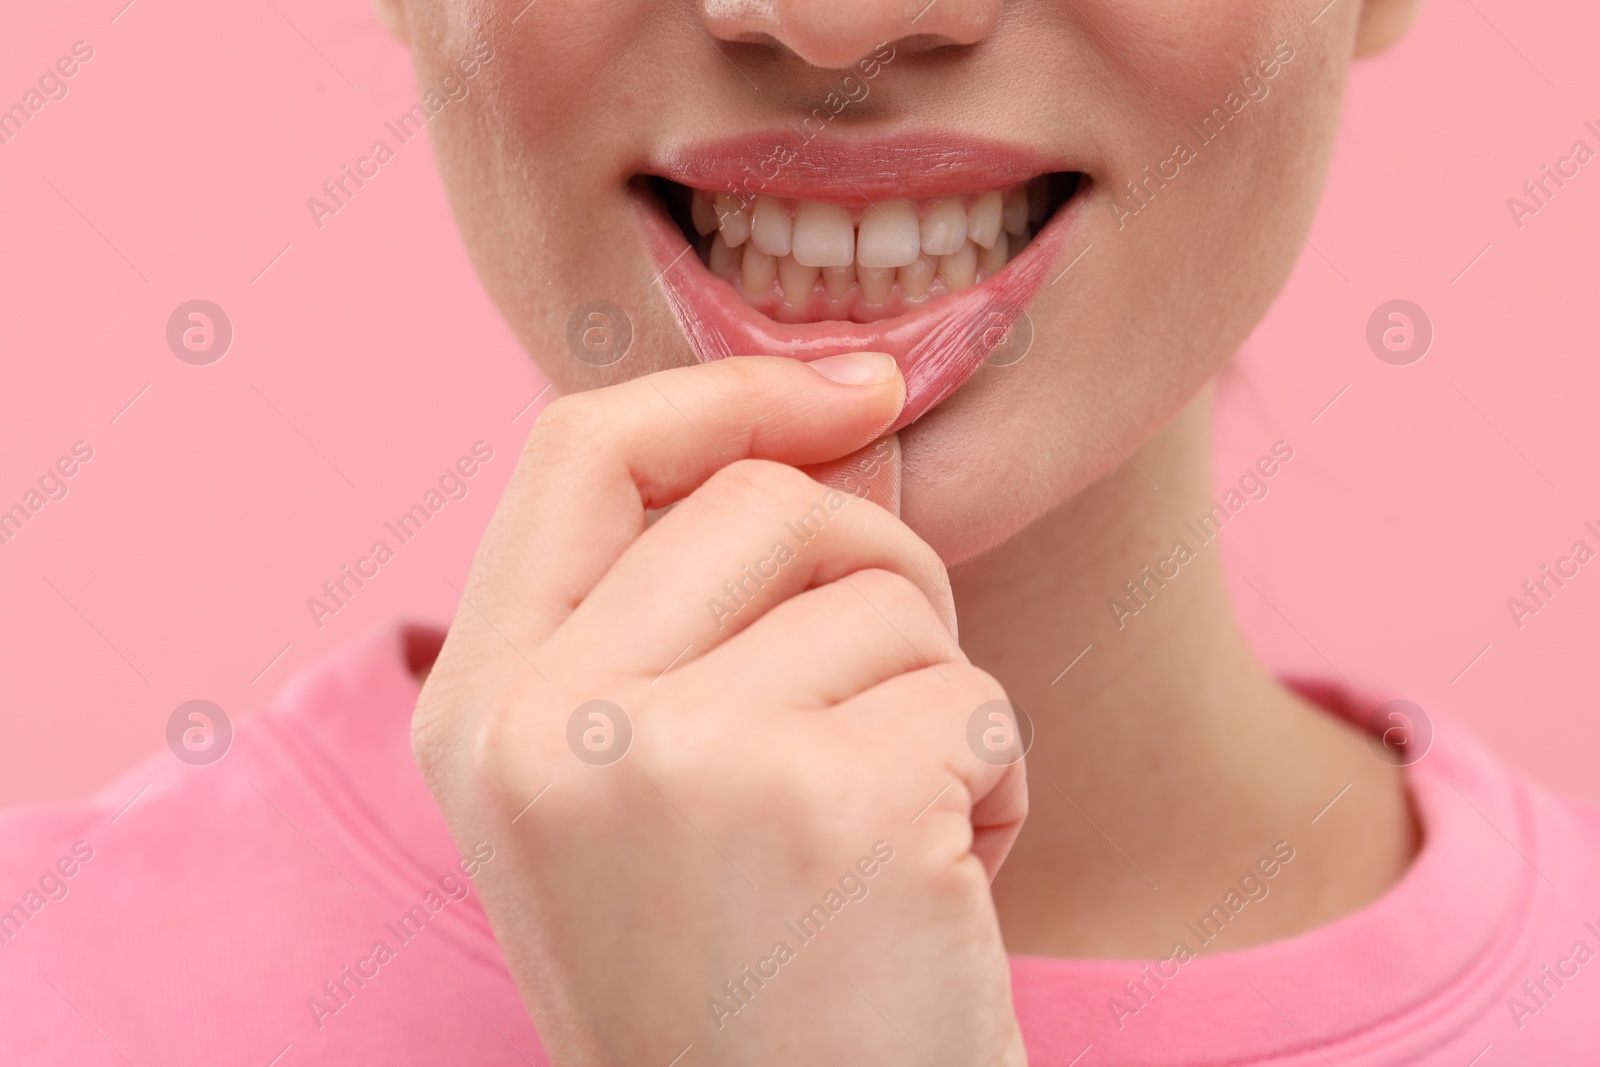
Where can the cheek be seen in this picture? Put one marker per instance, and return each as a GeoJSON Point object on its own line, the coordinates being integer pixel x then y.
{"type": "Point", "coordinates": [1175, 277]}
{"type": "Point", "coordinates": [538, 154]}
{"type": "Point", "coordinates": [551, 79]}
{"type": "Point", "coordinates": [1194, 73]}
{"type": "Point", "coordinates": [1207, 190]}
{"type": "Point", "coordinates": [534, 157]}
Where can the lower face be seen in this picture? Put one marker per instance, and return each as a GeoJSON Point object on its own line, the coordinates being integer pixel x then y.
{"type": "Point", "coordinates": [1060, 232]}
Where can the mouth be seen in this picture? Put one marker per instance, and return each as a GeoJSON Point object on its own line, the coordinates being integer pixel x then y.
{"type": "Point", "coordinates": [927, 248]}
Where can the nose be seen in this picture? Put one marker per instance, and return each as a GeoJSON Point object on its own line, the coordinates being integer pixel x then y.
{"type": "Point", "coordinates": [837, 33]}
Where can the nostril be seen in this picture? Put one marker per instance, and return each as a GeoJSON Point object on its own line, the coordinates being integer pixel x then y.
{"type": "Point", "coordinates": [837, 34]}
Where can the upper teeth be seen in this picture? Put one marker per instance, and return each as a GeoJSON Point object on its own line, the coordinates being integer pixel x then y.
{"type": "Point", "coordinates": [802, 243]}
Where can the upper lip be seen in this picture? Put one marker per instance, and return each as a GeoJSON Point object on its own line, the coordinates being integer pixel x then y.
{"type": "Point", "coordinates": [839, 166]}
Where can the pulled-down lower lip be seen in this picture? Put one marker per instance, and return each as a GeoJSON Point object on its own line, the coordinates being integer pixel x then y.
{"type": "Point", "coordinates": [939, 343]}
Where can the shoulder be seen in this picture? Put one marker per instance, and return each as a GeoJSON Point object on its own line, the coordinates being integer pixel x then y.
{"type": "Point", "coordinates": [220, 913]}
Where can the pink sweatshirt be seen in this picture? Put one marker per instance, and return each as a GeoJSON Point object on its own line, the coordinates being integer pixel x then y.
{"type": "Point", "coordinates": [301, 902]}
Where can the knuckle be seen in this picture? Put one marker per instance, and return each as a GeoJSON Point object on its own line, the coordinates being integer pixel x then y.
{"type": "Point", "coordinates": [975, 684]}
{"type": "Point", "coordinates": [911, 606]}
{"type": "Point", "coordinates": [888, 589]}
{"type": "Point", "coordinates": [900, 600]}
{"type": "Point", "coordinates": [930, 568]}
{"type": "Point", "coordinates": [763, 486]}
{"type": "Point", "coordinates": [739, 379]}
{"type": "Point", "coordinates": [504, 748]}
{"type": "Point", "coordinates": [568, 423]}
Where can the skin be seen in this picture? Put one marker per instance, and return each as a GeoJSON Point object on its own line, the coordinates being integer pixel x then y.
{"type": "Point", "coordinates": [1025, 500]}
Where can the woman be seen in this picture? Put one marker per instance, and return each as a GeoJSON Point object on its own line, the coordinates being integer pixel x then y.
{"type": "Point", "coordinates": [870, 320]}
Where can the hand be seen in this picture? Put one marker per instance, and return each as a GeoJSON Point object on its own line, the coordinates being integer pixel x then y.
{"type": "Point", "coordinates": [789, 862]}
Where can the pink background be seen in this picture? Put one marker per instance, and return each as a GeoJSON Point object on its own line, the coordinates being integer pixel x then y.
{"type": "Point", "coordinates": [366, 359]}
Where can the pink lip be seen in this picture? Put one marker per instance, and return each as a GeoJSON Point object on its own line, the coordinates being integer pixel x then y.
{"type": "Point", "coordinates": [830, 166]}
{"type": "Point", "coordinates": [939, 345]}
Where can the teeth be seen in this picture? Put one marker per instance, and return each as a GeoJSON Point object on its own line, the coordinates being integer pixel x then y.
{"type": "Point", "coordinates": [723, 259]}
{"type": "Point", "coordinates": [763, 246]}
{"type": "Point", "coordinates": [944, 229]}
{"type": "Point", "coordinates": [735, 221]}
{"type": "Point", "coordinates": [1014, 216]}
{"type": "Point", "coordinates": [875, 282]}
{"type": "Point", "coordinates": [960, 268]}
{"type": "Point", "coordinates": [990, 260]}
{"type": "Point", "coordinates": [1014, 245]}
{"type": "Point", "coordinates": [824, 236]}
{"type": "Point", "coordinates": [889, 237]}
{"type": "Point", "coordinates": [917, 278]}
{"type": "Point", "coordinates": [983, 221]}
{"type": "Point", "coordinates": [758, 270]}
{"type": "Point", "coordinates": [797, 279]}
{"type": "Point", "coordinates": [770, 228]}
{"type": "Point", "coordinates": [838, 280]}
{"type": "Point", "coordinates": [703, 214]}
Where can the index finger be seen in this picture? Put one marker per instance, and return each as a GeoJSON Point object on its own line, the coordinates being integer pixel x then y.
{"type": "Point", "coordinates": [596, 461]}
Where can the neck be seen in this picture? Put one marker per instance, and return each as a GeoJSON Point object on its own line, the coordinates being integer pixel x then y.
{"type": "Point", "coordinates": [1166, 761]}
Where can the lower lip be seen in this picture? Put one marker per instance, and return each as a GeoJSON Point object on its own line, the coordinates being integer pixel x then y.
{"type": "Point", "coordinates": [938, 347]}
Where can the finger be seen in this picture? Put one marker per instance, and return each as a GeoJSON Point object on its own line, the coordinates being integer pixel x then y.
{"type": "Point", "coordinates": [873, 473]}
{"type": "Point", "coordinates": [928, 713]}
{"type": "Point", "coordinates": [756, 534]}
{"type": "Point", "coordinates": [828, 645]}
{"type": "Point", "coordinates": [596, 461]}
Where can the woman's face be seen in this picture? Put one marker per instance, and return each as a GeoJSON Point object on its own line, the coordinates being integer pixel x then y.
{"type": "Point", "coordinates": [1149, 168]}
